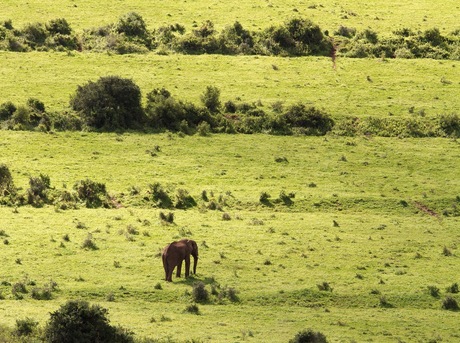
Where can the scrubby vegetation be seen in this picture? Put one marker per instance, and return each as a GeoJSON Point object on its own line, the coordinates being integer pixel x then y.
{"type": "Point", "coordinates": [268, 141]}
{"type": "Point", "coordinates": [114, 103]}
{"type": "Point", "coordinates": [296, 37]}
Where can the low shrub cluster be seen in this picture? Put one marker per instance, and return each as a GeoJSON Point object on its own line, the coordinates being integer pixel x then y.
{"type": "Point", "coordinates": [114, 103]}
{"type": "Point", "coordinates": [444, 125]}
{"type": "Point", "coordinates": [87, 192]}
{"type": "Point", "coordinates": [296, 37]}
{"type": "Point", "coordinates": [402, 43]}
{"type": "Point", "coordinates": [54, 35]}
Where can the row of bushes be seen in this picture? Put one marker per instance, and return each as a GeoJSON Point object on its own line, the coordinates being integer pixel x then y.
{"type": "Point", "coordinates": [114, 103]}
{"type": "Point", "coordinates": [296, 37]}
{"type": "Point", "coordinates": [402, 43]}
{"type": "Point", "coordinates": [93, 194]}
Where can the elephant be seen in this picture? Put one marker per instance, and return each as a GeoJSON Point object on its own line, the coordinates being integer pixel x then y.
{"type": "Point", "coordinates": [173, 255]}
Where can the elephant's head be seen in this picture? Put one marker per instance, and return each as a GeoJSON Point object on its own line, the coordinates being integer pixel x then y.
{"type": "Point", "coordinates": [194, 252]}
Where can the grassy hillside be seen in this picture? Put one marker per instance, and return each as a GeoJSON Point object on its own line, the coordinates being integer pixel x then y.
{"type": "Point", "coordinates": [371, 218]}
{"type": "Point", "coordinates": [358, 87]}
{"type": "Point", "coordinates": [329, 14]}
{"type": "Point", "coordinates": [357, 238]}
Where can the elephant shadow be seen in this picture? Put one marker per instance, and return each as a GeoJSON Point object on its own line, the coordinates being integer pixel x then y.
{"type": "Point", "coordinates": [192, 279]}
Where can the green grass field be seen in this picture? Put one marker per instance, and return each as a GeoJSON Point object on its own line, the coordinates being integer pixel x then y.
{"type": "Point", "coordinates": [379, 250]}
{"type": "Point", "coordinates": [255, 15]}
{"type": "Point", "coordinates": [396, 86]}
{"type": "Point", "coordinates": [375, 219]}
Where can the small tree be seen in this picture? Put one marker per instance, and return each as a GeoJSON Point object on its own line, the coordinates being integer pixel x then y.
{"type": "Point", "coordinates": [78, 322]}
{"type": "Point", "coordinates": [6, 181]}
{"type": "Point", "coordinates": [210, 99]}
{"type": "Point", "coordinates": [132, 25]}
{"type": "Point", "coordinates": [110, 103]}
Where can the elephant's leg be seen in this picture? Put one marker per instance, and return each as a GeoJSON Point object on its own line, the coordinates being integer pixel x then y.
{"type": "Point", "coordinates": [165, 266]}
{"type": "Point", "coordinates": [179, 268]}
{"type": "Point", "coordinates": [187, 266]}
{"type": "Point", "coordinates": [170, 272]}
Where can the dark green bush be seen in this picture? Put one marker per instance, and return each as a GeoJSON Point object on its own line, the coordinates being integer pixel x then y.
{"type": "Point", "coordinates": [78, 322]}
{"type": "Point", "coordinates": [312, 121]}
{"type": "Point", "coordinates": [37, 193]}
{"type": "Point", "coordinates": [110, 103]}
{"type": "Point", "coordinates": [211, 99]}
{"type": "Point", "coordinates": [44, 293]}
{"type": "Point", "coordinates": [163, 111]}
{"type": "Point", "coordinates": [21, 117]}
{"type": "Point", "coordinates": [450, 124]}
{"type": "Point", "coordinates": [25, 327]}
{"type": "Point", "coordinates": [132, 25]}
{"type": "Point", "coordinates": [89, 244]}
{"type": "Point", "coordinates": [184, 200]}
{"type": "Point", "coordinates": [6, 110]}
{"type": "Point", "coordinates": [235, 39]}
{"type": "Point", "coordinates": [193, 309]}
{"type": "Point", "coordinates": [453, 288]}
{"type": "Point", "coordinates": [449, 303]}
{"type": "Point", "coordinates": [344, 31]}
{"type": "Point", "coordinates": [309, 336]}
{"type": "Point", "coordinates": [35, 34]}
{"type": "Point", "coordinates": [264, 198]}
{"type": "Point", "coordinates": [90, 192]}
{"type": "Point", "coordinates": [199, 293]}
{"type": "Point", "coordinates": [297, 37]}
{"type": "Point", "coordinates": [59, 26]}
{"type": "Point", "coordinates": [6, 181]}
{"type": "Point", "coordinates": [160, 196]}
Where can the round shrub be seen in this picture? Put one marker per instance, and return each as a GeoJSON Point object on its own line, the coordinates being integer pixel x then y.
{"type": "Point", "coordinates": [110, 103]}
{"type": "Point", "coordinates": [6, 110]}
{"type": "Point", "coordinates": [78, 322]}
{"type": "Point", "coordinates": [309, 336]}
{"type": "Point", "coordinates": [132, 24]}
{"type": "Point", "coordinates": [25, 327]}
{"type": "Point", "coordinates": [450, 304]}
{"type": "Point", "coordinates": [200, 294]}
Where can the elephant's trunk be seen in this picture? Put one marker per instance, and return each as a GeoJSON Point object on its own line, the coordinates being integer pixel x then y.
{"type": "Point", "coordinates": [195, 262]}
